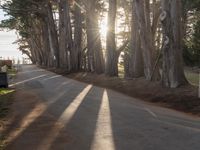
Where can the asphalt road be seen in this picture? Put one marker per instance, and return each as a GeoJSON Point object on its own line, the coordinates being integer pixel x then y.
{"type": "Point", "coordinates": [93, 118]}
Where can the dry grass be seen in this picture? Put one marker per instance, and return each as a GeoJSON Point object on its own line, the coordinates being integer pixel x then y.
{"type": "Point", "coordinates": [6, 98]}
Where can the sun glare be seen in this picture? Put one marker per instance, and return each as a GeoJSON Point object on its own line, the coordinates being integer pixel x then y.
{"type": "Point", "coordinates": [103, 29]}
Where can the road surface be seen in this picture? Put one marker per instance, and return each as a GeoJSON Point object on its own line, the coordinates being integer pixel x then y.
{"type": "Point", "coordinates": [70, 115]}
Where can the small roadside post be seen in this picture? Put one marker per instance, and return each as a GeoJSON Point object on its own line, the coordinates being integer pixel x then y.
{"type": "Point", "coordinates": [199, 85]}
{"type": "Point", "coordinates": [3, 77]}
{"type": "Point", "coordinates": [3, 80]}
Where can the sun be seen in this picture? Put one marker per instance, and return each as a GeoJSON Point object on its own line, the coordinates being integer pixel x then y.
{"type": "Point", "coordinates": [103, 29]}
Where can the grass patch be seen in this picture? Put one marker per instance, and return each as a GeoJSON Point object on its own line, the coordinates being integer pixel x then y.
{"type": "Point", "coordinates": [6, 96]}
{"type": "Point", "coordinates": [192, 77]}
{"type": "Point", "coordinates": [2, 143]}
{"type": "Point", "coordinates": [12, 72]}
{"type": "Point", "coordinates": [120, 70]}
{"type": "Point", "coordinates": [5, 92]}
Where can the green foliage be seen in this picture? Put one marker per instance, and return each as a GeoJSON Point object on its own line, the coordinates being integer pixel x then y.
{"type": "Point", "coordinates": [20, 15]}
{"type": "Point", "coordinates": [6, 97]}
{"type": "Point", "coordinates": [191, 51]}
{"type": "Point", "coordinates": [191, 57]}
{"type": "Point", "coordinates": [196, 36]}
{"type": "Point", "coordinates": [192, 77]}
{"type": "Point", "coordinates": [191, 4]}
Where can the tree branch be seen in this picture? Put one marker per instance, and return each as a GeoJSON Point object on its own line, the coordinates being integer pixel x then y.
{"type": "Point", "coordinates": [122, 47]}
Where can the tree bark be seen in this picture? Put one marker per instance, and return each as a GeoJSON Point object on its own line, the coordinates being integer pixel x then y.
{"type": "Point", "coordinates": [53, 36]}
{"type": "Point", "coordinates": [137, 65]}
{"type": "Point", "coordinates": [173, 73]}
{"type": "Point", "coordinates": [45, 41]}
{"type": "Point", "coordinates": [63, 33]}
{"type": "Point", "coordinates": [77, 37]}
{"type": "Point", "coordinates": [95, 54]}
{"type": "Point", "coordinates": [146, 41]}
{"type": "Point", "coordinates": [111, 53]}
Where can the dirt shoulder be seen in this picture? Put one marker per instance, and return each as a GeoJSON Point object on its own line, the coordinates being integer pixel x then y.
{"type": "Point", "coordinates": [183, 99]}
{"type": "Point", "coordinates": [14, 114]}
{"type": "Point", "coordinates": [6, 100]}
{"type": "Point", "coordinates": [28, 121]}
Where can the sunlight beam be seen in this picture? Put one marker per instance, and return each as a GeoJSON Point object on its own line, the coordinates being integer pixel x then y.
{"type": "Point", "coordinates": [103, 138]}
{"type": "Point", "coordinates": [26, 122]}
{"type": "Point", "coordinates": [70, 111]}
{"type": "Point", "coordinates": [103, 29]}
{"type": "Point", "coordinates": [64, 119]}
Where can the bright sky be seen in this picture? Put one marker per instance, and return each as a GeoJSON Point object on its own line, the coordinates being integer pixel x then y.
{"type": "Point", "coordinates": [7, 49]}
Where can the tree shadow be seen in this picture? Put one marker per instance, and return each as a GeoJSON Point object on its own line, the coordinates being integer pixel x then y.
{"type": "Point", "coordinates": [127, 123]}
{"type": "Point", "coordinates": [31, 136]}
{"type": "Point", "coordinates": [17, 120]}
{"type": "Point", "coordinates": [29, 99]}
{"type": "Point", "coordinates": [81, 128]}
{"type": "Point", "coordinates": [134, 127]}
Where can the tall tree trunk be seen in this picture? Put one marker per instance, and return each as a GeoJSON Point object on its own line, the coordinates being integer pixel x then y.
{"type": "Point", "coordinates": [156, 14]}
{"type": "Point", "coordinates": [146, 41]}
{"type": "Point", "coordinates": [173, 73]}
{"type": "Point", "coordinates": [137, 65]}
{"type": "Point", "coordinates": [95, 54]}
{"type": "Point", "coordinates": [36, 50]}
{"type": "Point", "coordinates": [63, 33]}
{"type": "Point", "coordinates": [72, 56]}
{"type": "Point", "coordinates": [45, 41]}
{"type": "Point", "coordinates": [53, 36]}
{"type": "Point", "coordinates": [111, 52]}
{"type": "Point", "coordinates": [33, 51]}
{"type": "Point", "coordinates": [77, 37]}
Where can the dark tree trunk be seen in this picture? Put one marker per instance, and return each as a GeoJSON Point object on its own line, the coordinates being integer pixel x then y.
{"type": "Point", "coordinates": [111, 52]}
{"type": "Point", "coordinates": [77, 37]}
{"type": "Point", "coordinates": [53, 36]}
{"type": "Point", "coordinates": [45, 40]}
{"type": "Point", "coordinates": [63, 34]}
{"type": "Point", "coordinates": [137, 65]}
{"type": "Point", "coordinates": [173, 73]}
{"type": "Point", "coordinates": [95, 54]}
{"type": "Point", "coordinates": [146, 42]}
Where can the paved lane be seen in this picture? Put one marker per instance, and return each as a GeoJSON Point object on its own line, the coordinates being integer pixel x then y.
{"type": "Point", "coordinates": [94, 118]}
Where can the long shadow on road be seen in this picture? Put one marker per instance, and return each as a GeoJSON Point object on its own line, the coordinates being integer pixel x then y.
{"type": "Point", "coordinates": [31, 136]}
{"type": "Point", "coordinates": [134, 128]}
{"type": "Point", "coordinates": [83, 123]}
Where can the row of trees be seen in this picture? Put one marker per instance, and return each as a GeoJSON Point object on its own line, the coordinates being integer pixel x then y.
{"type": "Point", "coordinates": [66, 34]}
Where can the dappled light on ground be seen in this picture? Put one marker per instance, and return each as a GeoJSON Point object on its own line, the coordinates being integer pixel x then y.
{"type": "Point", "coordinates": [71, 109]}
{"type": "Point", "coordinates": [104, 127]}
